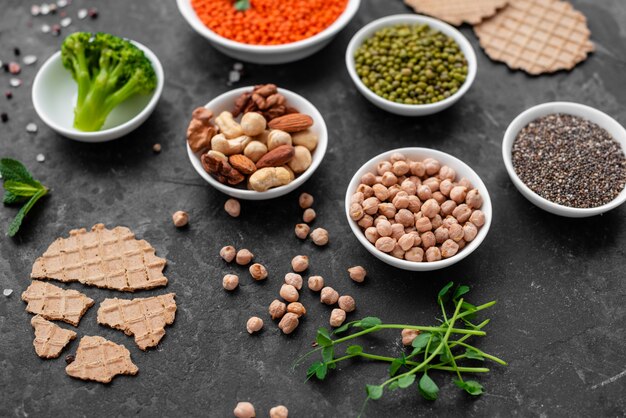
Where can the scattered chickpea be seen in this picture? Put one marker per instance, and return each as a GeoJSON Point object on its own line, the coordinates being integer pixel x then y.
{"type": "Point", "coordinates": [302, 231]}
{"type": "Point", "coordinates": [228, 253]}
{"type": "Point", "coordinates": [289, 293]}
{"type": "Point", "coordinates": [300, 263]}
{"type": "Point", "coordinates": [347, 303]}
{"type": "Point", "coordinates": [319, 236]}
{"type": "Point", "coordinates": [258, 271]}
{"type": "Point", "coordinates": [232, 207]}
{"type": "Point", "coordinates": [279, 411]}
{"type": "Point", "coordinates": [180, 218]}
{"type": "Point", "coordinates": [316, 283]}
{"type": "Point", "coordinates": [254, 324]}
{"type": "Point", "coordinates": [305, 200]}
{"type": "Point", "coordinates": [337, 317]}
{"type": "Point", "coordinates": [244, 257]}
{"type": "Point", "coordinates": [230, 281]}
{"type": "Point", "coordinates": [408, 335]}
{"type": "Point", "coordinates": [288, 323]}
{"type": "Point", "coordinates": [329, 296]}
{"type": "Point", "coordinates": [296, 308]}
{"type": "Point", "coordinates": [294, 279]}
{"type": "Point", "coordinates": [156, 148]}
{"type": "Point", "coordinates": [357, 273]}
{"type": "Point", "coordinates": [309, 215]}
{"type": "Point", "coordinates": [277, 309]}
{"type": "Point", "coordinates": [244, 410]}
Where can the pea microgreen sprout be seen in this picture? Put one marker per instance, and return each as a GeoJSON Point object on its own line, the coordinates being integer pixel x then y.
{"type": "Point", "coordinates": [436, 348]}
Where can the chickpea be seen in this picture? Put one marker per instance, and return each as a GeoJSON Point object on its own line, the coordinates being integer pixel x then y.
{"type": "Point", "coordinates": [393, 191]}
{"type": "Point", "coordinates": [397, 156]}
{"type": "Point", "coordinates": [254, 324]}
{"type": "Point", "coordinates": [357, 273]}
{"type": "Point", "coordinates": [417, 168]}
{"type": "Point", "coordinates": [446, 172]}
{"type": "Point", "coordinates": [366, 221]}
{"type": "Point", "coordinates": [449, 221]}
{"type": "Point", "coordinates": [244, 410]}
{"type": "Point", "coordinates": [288, 323]}
{"type": "Point", "coordinates": [346, 303]}
{"type": "Point", "coordinates": [296, 308]}
{"type": "Point", "coordinates": [305, 200]}
{"type": "Point", "coordinates": [230, 281]}
{"type": "Point", "coordinates": [433, 183]}
{"type": "Point", "coordinates": [433, 254]}
{"type": "Point", "coordinates": [289, 293]}
{"type": "Point", "coordinates": [370, 205]}
{"type": "Point", "coordinates": [279, 411]}
{"type": "Point", "coordinates": [383, 167]}
{"type": "Point", "coordinates": [387, 209]}
{"type": "Point", "coordinates": [430, 208]}
{"type": "Point", "coordinates": [462, 213]}
{"type": "Point", "coordinates": [302, 231]}
{"type": "Point", "coordinates": [423, 224]}
{"type": "Point", "coordinates": [357, 198]}
{"type": "Point", "coordinates": [409, 187]}
{"type": "Point", "coordinates": [445, 187]}
{"type": "Point", "coordinates": [258, 271]}
{"type": "Point", "coordinates": [477, 218]}
{"type": "Point", "coordinates": [436, 222]}
{"type": "Point", "coordinates": [401, 200]}
{"type": "Point", "coordinates": [397, 252]}
{"type": "Point", "coordinates": [405, 217]}
{"type": "Point", "coordinates": [371, 234]}
{"type": "Point", "coordinates": [329, 296]}
{"type": "Point", "coordinates": [465, 183]}
{"type": "Point", "coordinates": [424, 192]}
{"type": "Point", "coordinates": [397, 230]}
{"type": "Point", "coordinates": [432, 166]}
{"type": "Point", "coordinates": [369, 179]}
{"type": "Point", "coordinates": [309, 215]}
{"type": "Point", "coordinates": [449, 248]}
{"type": "Point", "coordinates": [384, 228]}
{"type": "Point", "coordinates": [316, 283]}
{"type": "Point", "coordinates": [337, 317]}
{"type": "Point", "coordinates": [473, 199]}
{"type": "Point", "coordinates": [389, 179]}
{"type": "Point", "coordinates": [300, 263]}
{"type": "Point", "coordinates": [469, 232]}
{"type": "Point", "coordinates": [441, 234]}
{"type": "Point", "coordinates": [232, 207]}
{"type": "Point", "coordinates": [455, 232]}
{"type": "Point", "coordinates": [462, 244]}
{"type": "Point", "coordinates": [417, 240]}
{"type": "Point", "coordinates": [380, 192]}
{"type": "Point", "coordinates": [439, 197]}
{"type": "Point", "coordinates": [400, 168]}
{"type": "Point", "coordinates": [458, 194]}
{"type": "Point", "coordinates": [406, 241]}
{"type": "Point", "coordinates": [408, 335]}
{"type": "Point", "coordinates": [294, 279]}
{"type": "Point", "coordinates": [356, 211]}
{"type": "Point", "coordinates": [228, 253]}
{"type": "Point", "coordinates": [415, 204]}
{"type": "Point", "coordinates": [319, 236]}
{"type": "Point", "coordinates": [428, 239]}
{"type": "Point", "coordinates": [277, 309]}
{"type": "Point", "coordinates": [366, 190]}
{"type": "Point", "coordinates": [447, 207]}
{"type": "Point", "coordinates": [415, 254]}
{"type": "Point", "coordinates": [180, 218]}
{"type": "Point", "coordinates": [379, 219]}
{"type": "Point", "coordinates": [244, 257]}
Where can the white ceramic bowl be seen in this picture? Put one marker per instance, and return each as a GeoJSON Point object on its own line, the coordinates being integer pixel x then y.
{"type": "Point", "coordinates": [462, 170]}
{"type": "Point", "coordinates": [54, 96]}
{"type": "Point", "coordinates": [405, 109]}
{"type": "Point", "coordinates": [601, 119]}
{"type": "Point", "coordinates": [268, 54]}
{"type": "Point", "coordinates": [226, 102]}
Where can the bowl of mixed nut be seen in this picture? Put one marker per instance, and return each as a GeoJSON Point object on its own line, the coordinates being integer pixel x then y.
{"type": "Point", "coordinates": [418, 209]}
{"type": "Point", "coordinates": [257, 142]}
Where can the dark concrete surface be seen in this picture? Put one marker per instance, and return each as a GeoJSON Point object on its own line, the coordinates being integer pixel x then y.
{"type": "Point", "coordinates": [561, 313]}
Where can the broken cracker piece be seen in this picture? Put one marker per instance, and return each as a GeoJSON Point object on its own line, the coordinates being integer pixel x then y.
{"type": "Point", "coordinates": [145, 318]}
{"type": "Point", "coordinates": [455, 12]}
{"type": "Point", "coordinates": [112, 259]}
{"type": "Point", "coordinates": [101, 360]}
{"type": "Point", "coordinates": [56, 304]}
{"type": "Point", "coordinates": [50, 339]}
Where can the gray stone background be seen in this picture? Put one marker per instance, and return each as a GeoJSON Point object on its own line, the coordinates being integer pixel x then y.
{"type": "Point", "coordinates": [560, 317]}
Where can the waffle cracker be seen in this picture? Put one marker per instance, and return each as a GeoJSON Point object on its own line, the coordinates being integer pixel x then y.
{"type": "Point", "coordinates": [537, 36]}
{"type": "Point", "coordinates": [101, 360]}
{"type": "Point", "coordinates": [56, 304]}
{"type": "Point", "coordinates": [145, 318]}
{"type": "Point", "coordinates": [456, 12]}
{"type": "Point", "coordinates": [50, 339]}
{"type": "Point", "coordinates": [112, 259]}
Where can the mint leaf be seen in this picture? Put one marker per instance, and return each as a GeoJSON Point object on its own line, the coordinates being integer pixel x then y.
{"type": "Point", "coordinates": [323, 337]}
{"type": "Point", "coordinates": [14, 226]}
{"type": "Point", "coordinates": [10, 198]}
{"type": "Point", "coordinates": [20, 189]}
{"type": "Point", "coordinates": [354, 349]}
{"type": "Point", "coordinates": [14, 170]}
{"type": "Point", "coordinates": [428, 388]}
{"type": "Point", "coordinates": [242, 5]}
{"type": "Point", "coordinates": [374, 391]}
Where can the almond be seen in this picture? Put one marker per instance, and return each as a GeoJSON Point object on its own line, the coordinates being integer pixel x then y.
{"type": "Point", "coordinates": [242, 164]}
{"type": "Point", "coordinates": [293, 122]}
{"type": "Point", "coordinates": [277, 157]}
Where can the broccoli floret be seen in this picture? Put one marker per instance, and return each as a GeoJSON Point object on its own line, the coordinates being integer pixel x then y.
{"type": "Point", "coordinates": [108, 70]}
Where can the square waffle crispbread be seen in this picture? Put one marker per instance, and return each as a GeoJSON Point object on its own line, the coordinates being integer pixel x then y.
{"type": "Point", "coordinates": [101, 360]}
{"type": "Point", "coordinates": [456, 12]}
{"type": "Point", "coordinates": [50, 339]}
{"type": "Point", "coordinates": [112, 259]}
{"type": "Point", "coordinates": [145, 318]}
{"type": "Point", "coordinates": [537, 36]}
{"type": "Point", "coordinates": [56, 304]}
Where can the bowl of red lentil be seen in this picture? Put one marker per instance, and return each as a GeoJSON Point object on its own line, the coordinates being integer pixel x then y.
{"type": "Point", "coordinates": [268, 31]}
{"type": "Point", "coordinates": [567, 158]}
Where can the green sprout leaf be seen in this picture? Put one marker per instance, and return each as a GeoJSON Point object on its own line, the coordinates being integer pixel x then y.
{"type": "Point", "coordinates": [242, 5]}
{"type": "Point", "coordinates": [396, 364]}
{"type": "Point", "coordinates": [317, 369]}
{"type": "Point", "coordinates": [444, 291]}
{"type": "Point", "coordinates": [344, 327]}
{"type": "Point", "coordinates": [374, 391]}
{"type": "Point", "coordinates": [470, 386]}
{"type": "Point", "coordinates": [328, 354]}
{"type": "Point", "coordinates": [460, 291]}
{"type": "Point", "coordinates": [393, 385]}
{"type": "Point", "coordinates": [354, 349]}
{"type": "Point", "coordinates": [323, 337]}
{"type": "Point", "coordinates": [368, 322]}
{"type": "Point", "coordinates": [428, 388]}
{"type": "Point", "coordinates": [421, 341]}
{"type": "Point", "coordinates": [406, 381]}
{"type": "Point", "coordinates": [473, 354]}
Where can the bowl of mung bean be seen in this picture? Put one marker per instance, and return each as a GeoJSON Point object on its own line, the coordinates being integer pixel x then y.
{"type": "Point", "coordinates": [567, 158]}
{"type": "Point", "coordinates": [411, 65]}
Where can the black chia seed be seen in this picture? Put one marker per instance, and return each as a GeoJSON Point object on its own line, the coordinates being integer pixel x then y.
{"type": "Point", "coordinates": [570, 161]}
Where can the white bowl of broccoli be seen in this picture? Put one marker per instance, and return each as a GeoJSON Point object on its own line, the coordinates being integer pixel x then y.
{"type": "Point", "coordinates": [98, 88]}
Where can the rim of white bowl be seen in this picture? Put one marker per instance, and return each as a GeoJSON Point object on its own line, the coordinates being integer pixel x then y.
{"type": "Point", "coordinates": [185, 8]}
{"type": "Point", "coordinates": [576, 109]}
{"type": "Point", "coordinates": [317, 155]}
{"type": "Point", "coordinates": [477, 182]}
{"type": "Point", "coordinates": [368, 30]}
{"type": "Point", "coordinates": [75, 133]}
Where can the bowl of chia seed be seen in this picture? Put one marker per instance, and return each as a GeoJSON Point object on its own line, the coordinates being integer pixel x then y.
{"type": "Point", "coordinates": [567, 158]}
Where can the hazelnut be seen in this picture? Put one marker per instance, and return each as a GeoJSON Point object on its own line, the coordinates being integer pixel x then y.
{"type": "Point", "coordinates": [253, 124]}
{"type": "Point", "coordinates": [300, 263]}
{"type": "Point", "coordinates": [258, 271]}
{"type": "Point", "coordinates": [288, 323]}
{"type": "Point", "coordinates": [449, 248]}
{"type": "Point", "coordinates": [316, 283]}
{"type": "Point", "coordinates": [347, 303]}
{"type": "Point", "coordinates": [305, 200]}
{"type": "Point", "coordinates": [357, 273]}
{"type": "Point", "coordinates": [414, 254]}
{"type": "Point", "coordinates": [254, 324]}
{"type": "Point", "coordinates": [408, 335]}
{"type": "Point", "coordinates": [244, 410]}
{"type": "Point", "coordinates": [279, 411]}
{"type": "Point", "coordinates": [309, 215]}
{"type": "Point", "coordinates": [302, 231]}
{"type": "Point", "coordinates": [289, 293]}
{"type": "Point", "coordinates": [430, 208]}
{"type": "Point", "coordinates": [180, 219]}
{"type": "Point", "coordinates": [385, 244]}
{"type": "Point", "coordinates": [329, 296]}
{"type": "Point", "coordinates": [232, 207]}
{"type": "Point", "coordinates": [319, 236]}
{"type": "Point", "coordinates": [433, 254]}
{"type": "Point", "coordinates": [432, 166]}
{"type": "Point", "coordinates": [356, 211]}
{"type": "Point", "coordinates": [228, 253]}
{"type": "Point", "coordinates": [424, 192]}
{"type": "Point", "coordinates": [371, 234]}
{"type": "Point", "coordinates": [462, 213]}
{"type": "Point", "coordinates": [369, 179]}
{"type": "Point", "coordinates": [380, 191]}
{"type": "Point", "coordinates": [337, 317]}
{"type": "Point", "coordinates": [244, 257]}
{"type": "Point", "coordinates": [277, 309]}
{"type": "Point", "coordinates": [296, 308]}
{"type": "Point", "coordinates": [294, 279]}
{"type": "Point", "coordinates": [477, 218]}
{"type": "Point", "coordinates": [469, 232]}
{"type": "Point", "coordinates": [473, 199]}
{"type": "Point", "coordinates": [458, 194]}
{"type": "Point", "coordinates": [230, 281]}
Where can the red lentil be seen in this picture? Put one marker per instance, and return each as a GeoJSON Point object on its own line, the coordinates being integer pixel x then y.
{"type": "Point", "coordinates": [269, 22]}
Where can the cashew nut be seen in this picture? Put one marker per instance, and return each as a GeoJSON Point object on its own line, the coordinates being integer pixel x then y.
{"type": "Point", "coordinates": [228, 126]}
{"type": "Point", "coordinates": [255, 150]}
{"type": "Point", "coordinates": [277, 138]}
{"type": "Point", "coordinates": [219, 143]}
{"type": "Point", "coordinates": [268, 177]}
{"type": "Point", "coordinates": [305, 138]}
{"type": "Point", "coordinates": [301, 159]}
